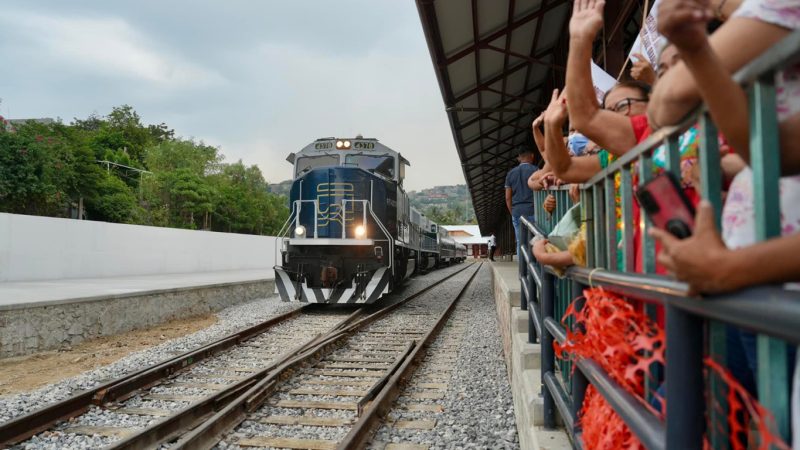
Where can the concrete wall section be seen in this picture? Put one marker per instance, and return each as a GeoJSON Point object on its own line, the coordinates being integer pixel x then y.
{"type": "Point", "coordinates": [45, 248]}
{"type": "Point", "coordinates": [524, 363]}
{"type": "Point", "coordinates": [26, 331]}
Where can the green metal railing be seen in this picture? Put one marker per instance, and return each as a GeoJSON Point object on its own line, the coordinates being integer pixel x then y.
{"type": "Point", "coordinates": [695, 328]}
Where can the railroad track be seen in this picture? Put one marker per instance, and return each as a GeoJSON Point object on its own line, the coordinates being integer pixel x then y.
{"type": "Point", "coordinates": [300, 401]}
{"type": "Point", "coordinates": [161, 403]}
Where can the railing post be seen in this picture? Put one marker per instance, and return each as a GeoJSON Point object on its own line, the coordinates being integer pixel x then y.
{"type": "Point", "coordinates": [531, 304]}
{"type": "Point", "coordinates": [548, 355]}
{"type": "Point", "coordinates": [684, 380]}
{"type": "Point", "coordinates": [579, 381]}
{"type": "Point", "coordinates": [773, 372]}
{"type": "Point", "coordinates": [521, 264]}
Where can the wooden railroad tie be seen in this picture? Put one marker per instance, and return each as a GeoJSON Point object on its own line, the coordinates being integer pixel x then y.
{"type": "Point", "coordinates": [311, 421]}
{"type": "Point", "coordinates": [314, 405]}
{"type": "Point", "coordinates": [312, 444]}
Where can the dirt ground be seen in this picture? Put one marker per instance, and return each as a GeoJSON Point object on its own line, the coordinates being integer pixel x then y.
{"type": "Point", "coordinates": [25, 373]}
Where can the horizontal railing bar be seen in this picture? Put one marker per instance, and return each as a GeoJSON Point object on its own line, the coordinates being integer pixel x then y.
{"type": "Point", "coordinates": [555, 329]}
{"type": "Point", "coordinates": [551, 271]}
{"type": "Point", "coordinates": [769, 310]}
{"type": "Point", "coordinates": [533, 309]}
{"type": "Point", "coordinates": [562, 401]}
{"type": "Point", "coordinates": [525, 289]}
{"type": "Point", "coordinates": [783, 54]}
{"type": "Point", "coordinates": [535, 274]}
{"type": "Point", "coordinates": [650, 430]}
{"type": "Point", "coordinates": [533, 227]}
{"type": "Point", "coordinates": [644, 283]}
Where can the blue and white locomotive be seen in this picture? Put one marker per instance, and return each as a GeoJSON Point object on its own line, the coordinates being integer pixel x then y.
{"type": "Point", "coordinates": [352, 236]}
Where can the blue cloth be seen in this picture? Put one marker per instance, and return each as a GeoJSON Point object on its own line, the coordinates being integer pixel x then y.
{"type": "Point", "coordinates": [577, 143]}
{"type": "Point", "coordinates": [521, 195]}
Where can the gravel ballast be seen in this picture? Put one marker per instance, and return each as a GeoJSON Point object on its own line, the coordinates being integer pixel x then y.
{"type": "Point", "coordinates": [230, 320]}
{"type": "Point", "coordinates": [478, 411]}
{"type": "Point", "coordinates": [478, 404]}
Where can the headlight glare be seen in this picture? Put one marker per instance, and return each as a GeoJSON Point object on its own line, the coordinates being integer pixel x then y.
{"type": "Point", "coordinates": [361, 231]}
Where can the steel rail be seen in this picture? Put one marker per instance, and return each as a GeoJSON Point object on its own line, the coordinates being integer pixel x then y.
{"type": "Point", "coordinates": [362, 430]}
{"type": "Point", "coordinates": [231, 405]}
{"type": "Point", "coordinates": [27, 425]}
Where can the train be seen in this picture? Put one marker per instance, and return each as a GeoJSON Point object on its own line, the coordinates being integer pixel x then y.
{"type": "Point", "coordinates": [352, 236]}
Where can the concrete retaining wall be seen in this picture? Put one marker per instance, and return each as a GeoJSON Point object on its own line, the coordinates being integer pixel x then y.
{"type": "Point", "coordinates": [524, 363]}
{"type": "Point", "coordinates": [46, 248]}
{"type": "Point", "coordinates": [25, 331]}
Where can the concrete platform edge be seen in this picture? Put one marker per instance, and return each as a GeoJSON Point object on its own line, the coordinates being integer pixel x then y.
{"type": "Point", "coordinates": [523, 362]}
{"type": "Point", "coordinates": [52, 325]}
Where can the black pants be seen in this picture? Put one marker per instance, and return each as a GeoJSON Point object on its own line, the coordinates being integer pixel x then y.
{"type": "Point", "coordinates": [491, 252]}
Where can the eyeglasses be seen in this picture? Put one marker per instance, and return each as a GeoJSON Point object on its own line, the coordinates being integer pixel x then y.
{"type": "Point", "coordinates": [625, 104]}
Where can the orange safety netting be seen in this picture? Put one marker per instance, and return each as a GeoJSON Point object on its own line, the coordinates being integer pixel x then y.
{"type": "Point", "coordinates": [628, 345]}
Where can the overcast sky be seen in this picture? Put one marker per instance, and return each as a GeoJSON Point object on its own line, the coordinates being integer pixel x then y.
{"type": "Point", "coordinates": [259, 79]}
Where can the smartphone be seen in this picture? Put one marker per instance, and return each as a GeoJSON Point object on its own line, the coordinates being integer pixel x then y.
{"type": "Point", "coordinates": [666, 205]}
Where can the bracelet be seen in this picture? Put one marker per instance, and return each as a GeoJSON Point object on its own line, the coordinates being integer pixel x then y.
{"type": "Point", "coordinates": [719, 11]}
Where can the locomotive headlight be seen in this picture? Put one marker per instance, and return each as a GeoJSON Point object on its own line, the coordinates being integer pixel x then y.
{"type": "Point", "coordinates": [346, 144]}
{"type": "Point", "coordinates": [339, 144]}
{"type": "Point", "coordinates": [300, 231]}
{"type": "Point", "coordinates": [361, 231]}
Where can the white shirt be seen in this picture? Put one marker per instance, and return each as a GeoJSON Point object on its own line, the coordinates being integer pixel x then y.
{"type": "Point", "coordinates": [491, 241]}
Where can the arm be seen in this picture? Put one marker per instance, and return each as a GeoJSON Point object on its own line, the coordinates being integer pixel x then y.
{"type": "Point", "coordinates": [704, 74]}
{"type": "Point", "coordinates": [704, 262]}
{"type": "Point", "coordinates": [508, 199]}
{"type": "Point", "coordinates": [723, 9]}
{"type": "Point", "coordinates": [538, 137]}
{"type": "Point", "coordinates": [565, 167]}
{"type": "Point", "coordinates": [536, 182]}
{"type": "Point", "coordinates": [558, 259]}
{"type": "Point", "coordinates": [610, 130]}
{"type": "Point", "coordinates": [735, 43]}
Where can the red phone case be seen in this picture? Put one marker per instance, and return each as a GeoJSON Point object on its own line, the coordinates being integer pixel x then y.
{"type": "Point", "coordinates": [666, 205]}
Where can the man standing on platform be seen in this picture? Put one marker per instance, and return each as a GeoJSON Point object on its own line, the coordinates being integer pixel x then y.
{"type": "Point", "coordinates": [492, 245]}
{"type": "Point", "coordinates": [519, 199]}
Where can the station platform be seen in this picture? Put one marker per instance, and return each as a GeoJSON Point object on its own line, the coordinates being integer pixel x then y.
{"type": "Point", "coordinates": [523, 362]}
{"type": "Point", "coordinates": [45, 315]}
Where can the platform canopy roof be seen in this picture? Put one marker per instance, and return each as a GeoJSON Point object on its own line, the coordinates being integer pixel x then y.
{"type": "Point", "coordinates": [497, 62]}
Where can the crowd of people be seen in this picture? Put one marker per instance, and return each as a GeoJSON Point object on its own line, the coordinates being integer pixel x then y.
{"type": "Point", "coordinates": [694, 66]}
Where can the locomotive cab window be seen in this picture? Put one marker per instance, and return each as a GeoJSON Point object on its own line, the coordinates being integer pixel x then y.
{"type": "Point", "coordinates": [306, 163]}
{"type": "Point", "coordinates": [380, 164]}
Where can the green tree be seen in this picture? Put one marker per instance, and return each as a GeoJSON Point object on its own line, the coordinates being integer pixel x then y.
{"type": "Point", "coordinates": [244, 203]}
{"type": "Point", "coordinates": [114, 201]}
{"type": "Point", "coordinates": [52, 169]}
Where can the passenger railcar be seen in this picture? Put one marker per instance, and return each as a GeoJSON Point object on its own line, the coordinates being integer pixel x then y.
{"type": "Point", "coordinates": [352, 235]}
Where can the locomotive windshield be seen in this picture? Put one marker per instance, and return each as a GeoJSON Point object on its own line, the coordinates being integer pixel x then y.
{"type": "Point", "coordinates": [380, 164]}
{"type": "Point", "coordinates": [306, 163]}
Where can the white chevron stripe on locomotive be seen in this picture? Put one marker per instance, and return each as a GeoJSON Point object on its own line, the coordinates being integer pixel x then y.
{"type": "Point", "coordinates": [288, 290]}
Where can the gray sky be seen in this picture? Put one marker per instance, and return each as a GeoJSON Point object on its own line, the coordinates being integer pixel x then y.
{"type": "Point", "coordinates": [259, 78]}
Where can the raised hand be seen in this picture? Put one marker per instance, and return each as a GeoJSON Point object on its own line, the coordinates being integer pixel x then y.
{"type": "Point", "coordinates": [642, 70]}
{"type": "Point", "coordinates": [697, 259]}
{"type": "Point", "coordinates": [683, 22]}
{"type": "Point", "coordinates": [537, 122]}
{"type": "Point", "coordinates": [556, 112]}
{"type": "Point", "coordinates": [587, 18]}
{"type": "Point", "coordinates": [549, 204]}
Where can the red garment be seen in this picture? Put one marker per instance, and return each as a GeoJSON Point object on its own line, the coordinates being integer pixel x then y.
{"type": "Point", "coordinates": [641, 128]}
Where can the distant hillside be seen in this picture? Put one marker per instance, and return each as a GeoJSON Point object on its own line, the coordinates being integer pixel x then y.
{"type": "Point", "coordinates": [281, 188]}
{"type": "Point", "coordinates": [446, 205]}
